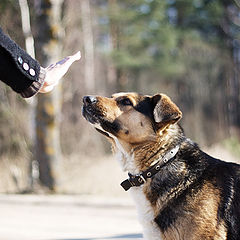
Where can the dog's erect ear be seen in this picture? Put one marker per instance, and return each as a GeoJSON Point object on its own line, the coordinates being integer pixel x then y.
{"type": "Point", "coordinates": [165, 111]}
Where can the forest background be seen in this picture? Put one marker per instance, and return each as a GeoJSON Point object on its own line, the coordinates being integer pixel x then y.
{"type": "Point", "coordinates": [188, 49]}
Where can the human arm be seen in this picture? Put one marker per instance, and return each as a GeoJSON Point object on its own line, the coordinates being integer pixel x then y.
{"type": "Point", "coordinates": [24, 74]}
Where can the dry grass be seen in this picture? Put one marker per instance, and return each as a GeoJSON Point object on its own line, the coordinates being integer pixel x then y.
{"type": "Point", "coordinates": [99, 175]}
{"type": "Point", "coordinates": [220, 152]}
{"type": "Point", "coordinates": [13, 175]}
{"type": "Point", "coordinates": [80, 174]}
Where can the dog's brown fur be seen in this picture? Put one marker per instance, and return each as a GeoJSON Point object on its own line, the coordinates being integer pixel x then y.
{"type": "Point", "coordinates": [194, 197]}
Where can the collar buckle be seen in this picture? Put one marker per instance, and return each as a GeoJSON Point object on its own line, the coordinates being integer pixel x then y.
{"type": "Point", "coordinates": [136, 180]}
{"type": "Point", "coordinates": [141, 179]}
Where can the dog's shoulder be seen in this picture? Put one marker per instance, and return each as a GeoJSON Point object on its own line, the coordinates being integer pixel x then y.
{"type": "Point", "coordinates": [194, 183]}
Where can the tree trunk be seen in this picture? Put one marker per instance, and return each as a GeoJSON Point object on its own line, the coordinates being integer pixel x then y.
{"type": "Point", "coordinates": [234, 92]}
{"type": "Point", "coordinates": [49, 46]}
{"type": "Point", "coordinates": [26, 27]}
{"type": "Point", "coordinates": [89, 72]}
{"type": "Point", "coordinates": [233, 19]}
{"type": "Point", "coordinates": [29, 44]}
{"type": "Point", "coordinates": [116, 75]}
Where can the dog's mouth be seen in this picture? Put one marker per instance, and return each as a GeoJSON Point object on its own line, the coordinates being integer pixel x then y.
{"type": "Point", "coordinates": [97, 117]}
{"type": "Point", "coordinates": [94, 117]}
{"type": "Point", "coordinates": [102, 125]}
{"type": "Point", "coordinates": [103, 132]}
{"type": "Point", "coordinates": [91, 114]}
{"type": "Point", "coordinates": [90, 110]}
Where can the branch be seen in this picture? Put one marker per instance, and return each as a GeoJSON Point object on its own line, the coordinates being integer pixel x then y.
{"type": "Point", "coordinates": [26, 27]}
{"type": "Point", "coordinates": [237, 3]}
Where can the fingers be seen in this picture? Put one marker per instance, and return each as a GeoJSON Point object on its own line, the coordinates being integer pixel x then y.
{"type": "Point", "coordinates": [46, 89]}
{"type": "Point", "coordinates": [70, 59]}
{"type": "Point", "coordinates": [55, 72]}
{"type": "Point", "coordinates": [67, 61]}
{"type": "Point", "coordinates": [76, 56]}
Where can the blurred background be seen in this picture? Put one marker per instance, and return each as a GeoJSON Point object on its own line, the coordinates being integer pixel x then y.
{"type": "Point", "coordinates": [187, 49]}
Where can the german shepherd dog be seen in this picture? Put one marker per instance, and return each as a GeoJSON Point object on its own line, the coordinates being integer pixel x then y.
{"type": "Point", "coordinates": [180, 191]}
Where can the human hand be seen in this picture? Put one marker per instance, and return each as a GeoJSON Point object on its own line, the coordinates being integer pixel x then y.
{"type": "Point", "coordinates": [55, 72]}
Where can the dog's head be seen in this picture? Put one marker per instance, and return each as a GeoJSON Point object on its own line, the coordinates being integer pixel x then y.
{"type": "Point", "coordinates": [131, 117]}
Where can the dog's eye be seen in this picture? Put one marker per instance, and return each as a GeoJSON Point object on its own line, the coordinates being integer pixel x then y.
{"type": "Point", "coordinates": [125, 102]}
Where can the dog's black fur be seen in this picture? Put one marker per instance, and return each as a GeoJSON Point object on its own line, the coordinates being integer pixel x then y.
{"type": "Point", "coordinates": [202, 168]}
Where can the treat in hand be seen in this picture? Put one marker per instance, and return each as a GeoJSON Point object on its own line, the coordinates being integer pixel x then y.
{"type": "Point", "coordinates": [55, 72]}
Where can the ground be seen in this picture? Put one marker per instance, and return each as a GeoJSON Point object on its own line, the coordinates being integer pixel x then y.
{"type": "Point", "coordinates": [62, 217]}
{"type": "Point", "coordinates": [93, 205]}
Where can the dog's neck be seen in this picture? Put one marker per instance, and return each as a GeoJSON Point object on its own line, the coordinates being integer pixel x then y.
{"type": "Point", "coordinates": [125, 155]}
{"type": "Point", "coordinates": [136, 158]}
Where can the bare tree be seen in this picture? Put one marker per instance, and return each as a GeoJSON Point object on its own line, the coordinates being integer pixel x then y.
{"type": "Point", "coordinates": [29, 44]}
{"type": "Point", "coordinates": [49, 47]}
{"type": "Point", "coordinates": [116, 74]}
{"type": "Point", "coordinates": [88, 45]}
{"type": "Point", "coordinates": [26, 27]}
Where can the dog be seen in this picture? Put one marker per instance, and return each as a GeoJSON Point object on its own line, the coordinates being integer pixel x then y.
{"type": "Point", "coordinates": [181, 193]}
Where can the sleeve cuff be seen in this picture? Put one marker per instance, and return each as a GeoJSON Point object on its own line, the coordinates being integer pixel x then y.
{"type": "Point", "coordinates": [35, 86]}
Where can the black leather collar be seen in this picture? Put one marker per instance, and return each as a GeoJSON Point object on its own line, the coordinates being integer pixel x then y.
{"type": "Point", "coordinates": [140, 179]}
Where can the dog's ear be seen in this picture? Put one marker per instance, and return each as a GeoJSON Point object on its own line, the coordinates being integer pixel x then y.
{"type": "Point", "coordinates": [165, 112]}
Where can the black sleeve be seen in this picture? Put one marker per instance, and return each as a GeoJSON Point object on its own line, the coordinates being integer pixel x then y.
{"type": "Point", "coordinates": [17, 69]}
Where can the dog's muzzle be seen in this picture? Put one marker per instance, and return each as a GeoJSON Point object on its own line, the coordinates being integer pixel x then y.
{"type": "Point", "coordinates": [89, 109]}
{"type": "Point", "coordinates": [88, 100]}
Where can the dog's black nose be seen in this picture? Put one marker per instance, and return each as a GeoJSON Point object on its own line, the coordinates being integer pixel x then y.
{"type": "Point", "coordinates": [89, 100]}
